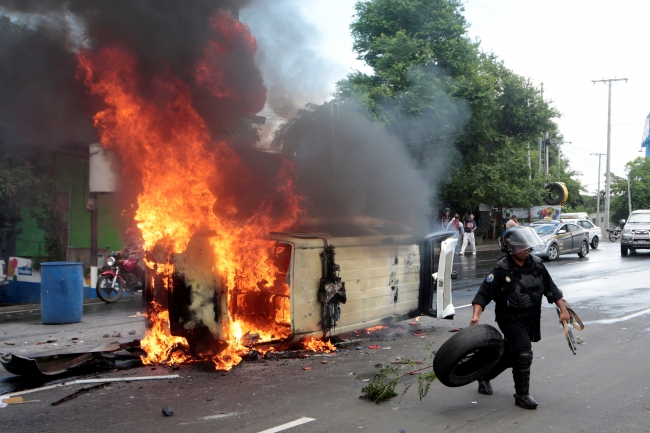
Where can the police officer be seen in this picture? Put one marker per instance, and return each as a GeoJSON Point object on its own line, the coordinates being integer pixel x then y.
{"type": "Point", "coordinates": [517, 285]}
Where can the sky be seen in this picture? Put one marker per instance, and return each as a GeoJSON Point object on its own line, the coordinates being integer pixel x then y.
{"type": "Point", "coordinates": [562, 44]}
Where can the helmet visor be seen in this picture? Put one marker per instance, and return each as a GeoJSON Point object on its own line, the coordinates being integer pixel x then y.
{"type": "Point", "coordinates": [522, 239]}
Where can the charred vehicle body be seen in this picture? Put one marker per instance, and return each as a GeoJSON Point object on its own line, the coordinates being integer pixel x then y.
{"type": "Point", "coordinates": [334, 278]}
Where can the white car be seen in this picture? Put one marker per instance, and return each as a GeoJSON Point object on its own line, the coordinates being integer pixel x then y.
{"type": "Point", "coordinates": [595, 234]}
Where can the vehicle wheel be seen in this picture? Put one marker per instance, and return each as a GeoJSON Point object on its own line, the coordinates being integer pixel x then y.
{"type": "Point", "coordinates": [633, 251]}
{"type": "Point", "coordinates": [584, 249]}
{"type": "Point", "coordinates": [468, 355]}
{"type": "Point", "coordinates": [612, 237]}
{"type": "Point", "coordinates": [594, 242]}
{"type": "Point", "coordinates": [553, 252]}
{"type": "Point", "coordinates": [106, 292]}
{"type": "Point", "coordinates": [624, 251]}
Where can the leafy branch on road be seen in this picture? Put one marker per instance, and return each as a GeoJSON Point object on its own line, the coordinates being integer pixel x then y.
{"type": "Point", "coordinates": [379, 390]}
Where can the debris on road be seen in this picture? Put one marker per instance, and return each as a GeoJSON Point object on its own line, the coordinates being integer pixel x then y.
{"type": "Point", "coordinates": [104, 356]}
{"type": "Point", "coordinates": [10, 343]}
{"type": "Point", "coordinates": [168, 411]}
{"type": "Point", "coordinates": [86, 381]}
{"type": "Point", "coordinates": [106, 335]}
{"type": "Point", "coordinates": [455, 329]}
{"type": "Point", "coordinates": [132, 332]}
{"type": "Point", "coordinates": [579, 340]}
{"type": "Point", "coordinates": [79, 392]}
{"type": "Point", "coordinates": [138, 314]}
{"type": "Point", "coordinates": [117, 335]}
{"type": "Point", "coordinates": [374, 347]}
{"type": "Point", "coordinates": [419, 334]}
{"type": "Point", "coordinates": [406, 362]}
{"type": "Point", "coordinates": [306, 368]}
{"type": "Point", "coordinates": [15, 400]}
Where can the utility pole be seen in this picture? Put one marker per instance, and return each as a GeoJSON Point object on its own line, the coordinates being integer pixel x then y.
{"type": "Point", "coordinates": [547, 144]}
{"type": "Point", "coordinates": [598, 195]}
{"type": "Point", "coordinates": [559, 155]}
{"type": "Point", "coordinates": [539, 155]}
{"type": "Point", "coordinates": [629, 192]}
{"type": "Point", "coordinates": [609, 136]}
{"type": "Point", "coordinates": [530, 168]}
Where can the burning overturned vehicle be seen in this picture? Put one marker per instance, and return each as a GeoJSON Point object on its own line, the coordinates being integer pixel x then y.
{"type": "Point", "coordinates": [245, 241]}
{"type": "Point", "coordinates": [361, 272]}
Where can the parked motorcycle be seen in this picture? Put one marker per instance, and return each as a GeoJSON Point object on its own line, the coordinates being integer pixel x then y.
{"type": "Point", "coordinates": [614, 234]}
{"type": "Point", "coordinates": [120, 276]}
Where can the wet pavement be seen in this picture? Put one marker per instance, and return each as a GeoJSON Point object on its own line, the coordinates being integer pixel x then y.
{"type": "Point", "coordinates": [603, 388]}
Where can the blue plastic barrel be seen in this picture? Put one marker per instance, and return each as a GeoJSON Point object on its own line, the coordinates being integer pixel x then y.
{"type": "Point", "coordinates": [62, 292]}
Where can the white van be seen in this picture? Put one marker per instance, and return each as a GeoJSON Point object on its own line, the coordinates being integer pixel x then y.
{"type": "Point", "coordinates": [574, 216]}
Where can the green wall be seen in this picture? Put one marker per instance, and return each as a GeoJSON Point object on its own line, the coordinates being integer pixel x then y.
{"type": "Point", "coordinates": [71, 173]}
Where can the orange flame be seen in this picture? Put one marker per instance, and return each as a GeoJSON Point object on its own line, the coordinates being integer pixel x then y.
{"type": "Point", "coordinates": [160, 346]}
{"type": "Point", "coordinates": [375, 328]}
{"type": "Point", "coordinates": [317, 345]}
{"type": "Point", "coordinates": [185, 184]}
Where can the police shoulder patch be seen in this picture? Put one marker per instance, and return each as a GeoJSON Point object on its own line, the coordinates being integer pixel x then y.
{"type": "Point", "coordinates": [490, 278]}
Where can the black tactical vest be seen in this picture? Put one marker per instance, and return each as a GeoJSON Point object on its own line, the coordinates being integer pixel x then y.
{"type": "Point", "coordinates": [530, 276]}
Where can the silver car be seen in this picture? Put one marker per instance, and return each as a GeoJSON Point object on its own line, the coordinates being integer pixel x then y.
{"type": "Point", "coordinates": [561, 238]}
{"type": "Point", "coordinates": [636, 232]}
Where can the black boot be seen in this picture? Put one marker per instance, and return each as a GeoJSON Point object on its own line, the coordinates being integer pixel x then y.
{"type": "Point", "coordinates": [484, 387]}
{"type": "Point", "coordinates": [521, 375]}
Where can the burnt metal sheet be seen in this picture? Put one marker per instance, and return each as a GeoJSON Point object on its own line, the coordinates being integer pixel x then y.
{"type": "Point", "coordinates": [51, 365]}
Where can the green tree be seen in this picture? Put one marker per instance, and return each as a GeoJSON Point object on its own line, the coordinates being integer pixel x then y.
{"type": "Point", "coordinates": [21, 190]}
{"type": "Point", "coordinates": [462, 114]}
{"type": "Point", "coordinates": [639, 172]}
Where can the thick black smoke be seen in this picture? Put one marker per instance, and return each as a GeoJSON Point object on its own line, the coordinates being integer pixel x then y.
{"type": "Point", "coordinates": [348, 166]}
{"type": "Point", "coordinates": [44, 105]}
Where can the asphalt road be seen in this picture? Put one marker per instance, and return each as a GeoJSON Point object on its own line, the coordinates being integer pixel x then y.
{"type": "Point", "coordinates": [604, 388]}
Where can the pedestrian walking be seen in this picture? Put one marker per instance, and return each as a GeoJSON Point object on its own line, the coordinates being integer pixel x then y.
{"type": "Point", "coordinates": [470, 228]}
{"type": "Point", "coordinates": [456, 226]}
{"type": "Point", "coordinates": [445, 219]}
{"type": "Point", "coordinates": [517, 285]}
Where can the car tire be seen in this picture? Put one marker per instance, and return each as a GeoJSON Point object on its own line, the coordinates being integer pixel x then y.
{"type": "Point", "coordinates": [468, 355]}
{"type": "Point", "coordinates": [553, 252]}
{"type": "Point", "coordinates": [559, 188]}
{"type": "Point", "coordinates": [633, 251]}
{"type": "Point", "coordinates": [594, 242]}
{"type": "Point", "coordinates": [624, 251]}
{"type": "Point", "coordinates": [584, 249]}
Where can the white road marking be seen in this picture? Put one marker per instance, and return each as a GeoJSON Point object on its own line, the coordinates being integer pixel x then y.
{"type": "Point", "coordinates": [288, 425]}
{"type": "Point", "coordinates": [463, 306]}
{"type": "Point", "coordinates": [621, 319]}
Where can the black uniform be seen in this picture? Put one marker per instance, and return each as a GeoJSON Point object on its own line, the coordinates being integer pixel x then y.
{"type": "Point", "coordinates": [517, 313]}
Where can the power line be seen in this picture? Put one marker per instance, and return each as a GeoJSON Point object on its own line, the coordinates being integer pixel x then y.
{"type": "Point", "coordinates": [503, 18]}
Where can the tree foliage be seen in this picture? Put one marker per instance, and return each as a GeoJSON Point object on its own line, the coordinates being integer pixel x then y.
{"type": "Point", "coordinates": [639, 172]}
{"type": "Point", "coordinates": [21, 190]}
{"type": "Point", "coordinates": [432, 87]}
{"type": "Point", "coordinates": [465, 119]}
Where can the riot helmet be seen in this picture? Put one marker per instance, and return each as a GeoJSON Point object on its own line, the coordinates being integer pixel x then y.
{"type": "Point", "coordinates": [520, 238]}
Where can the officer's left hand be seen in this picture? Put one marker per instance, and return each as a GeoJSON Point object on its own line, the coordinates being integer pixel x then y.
{"type": "Point", "coordinates": [564, 316]}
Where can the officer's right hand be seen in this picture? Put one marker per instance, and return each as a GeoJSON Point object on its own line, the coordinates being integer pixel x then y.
{"type": "Point", "coordinates": [474, 321]}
